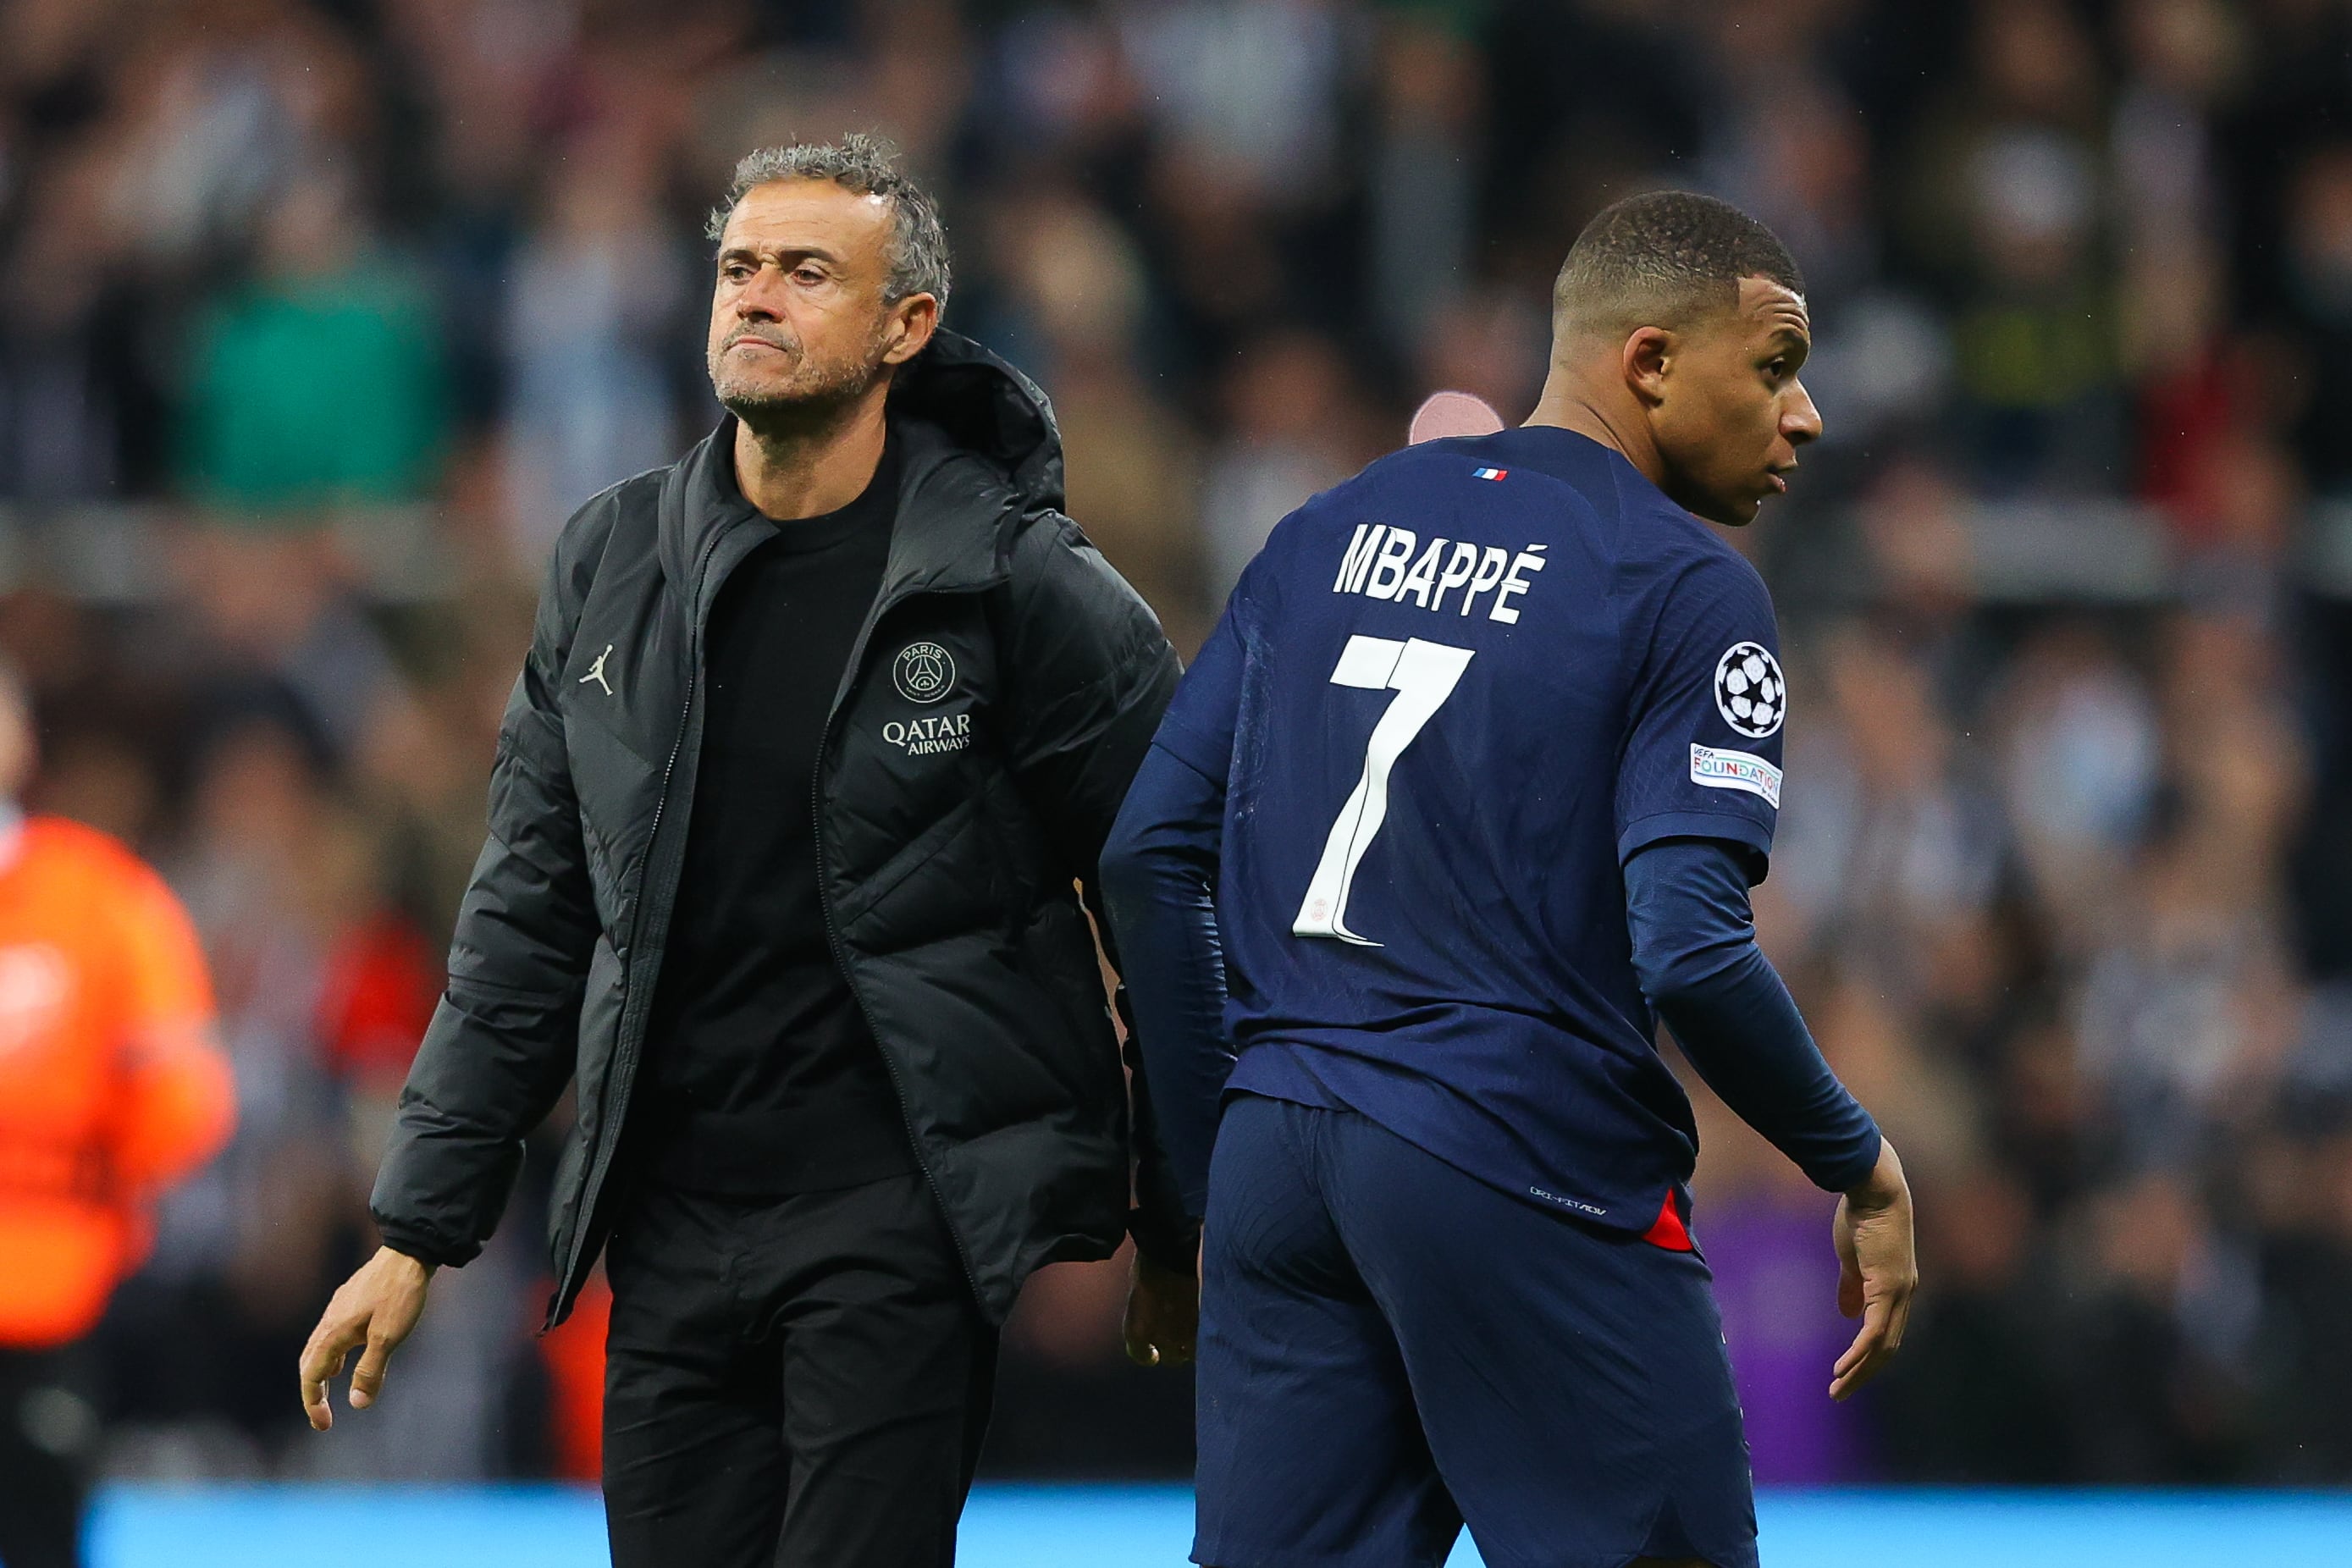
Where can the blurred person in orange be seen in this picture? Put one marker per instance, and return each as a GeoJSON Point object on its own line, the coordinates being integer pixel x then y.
{"type": "Point", "coordinates": [111, 1088]}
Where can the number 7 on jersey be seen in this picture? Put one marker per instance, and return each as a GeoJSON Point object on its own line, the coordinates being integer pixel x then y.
{"type": "Point", "coordinates": [1422, 675]}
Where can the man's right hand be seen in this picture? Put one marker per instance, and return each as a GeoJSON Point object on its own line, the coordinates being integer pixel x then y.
{"type": "Point", "coordinates": [1877, 1271]}
{"type": "Point", "coordinates": [376, 1309]}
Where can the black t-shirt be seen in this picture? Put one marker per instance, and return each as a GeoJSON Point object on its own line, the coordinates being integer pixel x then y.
{"type": "Point", "coordinates": [765, 1078]}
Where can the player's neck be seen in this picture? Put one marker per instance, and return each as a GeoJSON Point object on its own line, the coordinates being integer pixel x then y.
{"type": "Point", "coordinates": [792, 468]}
{"type": "Point", "coordinates": [1570, 402]}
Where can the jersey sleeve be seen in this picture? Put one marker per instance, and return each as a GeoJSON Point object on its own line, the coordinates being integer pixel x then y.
{"type": "Point", "coordinates": [1702, 757]}
{"type": "Point", "coordinates": [1198, 729]}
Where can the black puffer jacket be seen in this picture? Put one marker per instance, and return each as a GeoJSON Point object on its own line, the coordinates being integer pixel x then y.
{"type": "Point", "coordinates": [1002, 693]}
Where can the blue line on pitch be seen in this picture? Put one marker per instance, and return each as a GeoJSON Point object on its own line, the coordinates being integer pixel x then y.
{"type": "Point", "coordinates": [1149, 1527]}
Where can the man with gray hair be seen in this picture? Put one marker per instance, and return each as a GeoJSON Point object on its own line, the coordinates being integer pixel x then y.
{"type": "Point", "coordinates": [820, 728]}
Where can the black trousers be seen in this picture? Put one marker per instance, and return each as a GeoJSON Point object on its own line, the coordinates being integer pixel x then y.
{"type": "Point", "coordinates": [48, 1450]}
{"type": "Point", "coordinates": [800, 1382]}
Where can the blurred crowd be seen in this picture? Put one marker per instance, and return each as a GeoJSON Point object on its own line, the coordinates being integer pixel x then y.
{"type": "Point", "coordinates": [2064, 876]}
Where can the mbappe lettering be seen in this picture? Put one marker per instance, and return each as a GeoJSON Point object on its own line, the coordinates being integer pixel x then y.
{"type": "Point", "coordinates": [1385, 562]}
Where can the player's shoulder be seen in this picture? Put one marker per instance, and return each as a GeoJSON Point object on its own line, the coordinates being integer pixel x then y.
{"type": "Point", "coordinates": [1658, 552]}
{"type": "Point", "coordinates": [1698, 558]}
{"type": "Point", "coordinates": [1655, 528]}
{"type": "Point", "coordinates": [632, 505]}
{"type": "Point", "coordinates": [1540, 464]}
{"type": "Point", "coordinates": [1292, 541]}
{"type": "Point", "coordinates": [1663, 551]}
{"type": "Point", "coordinates": [1701, 591]}
{"type": "Point", "coordinates": [1405, 487]}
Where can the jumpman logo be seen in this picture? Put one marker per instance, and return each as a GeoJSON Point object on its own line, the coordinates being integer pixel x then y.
{"type": "Point", "coordinates": [596, 671]}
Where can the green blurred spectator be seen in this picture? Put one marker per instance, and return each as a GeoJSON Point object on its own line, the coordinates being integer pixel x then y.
{"type": "Point", "coordinates": [320, 381]}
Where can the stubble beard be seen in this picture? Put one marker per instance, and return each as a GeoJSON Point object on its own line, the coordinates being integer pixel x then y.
{"type": "Point", "coordinates": [810, 397]}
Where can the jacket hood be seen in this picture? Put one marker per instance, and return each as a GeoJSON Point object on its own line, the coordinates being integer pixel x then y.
{"type": "Point", "coordinates": [955, 400]}
{"type": "Point", "coordinates": [985, 406]}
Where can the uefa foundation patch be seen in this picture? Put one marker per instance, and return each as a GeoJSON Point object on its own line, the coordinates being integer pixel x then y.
{"type": "Point", "coordinates": [1735, 770]}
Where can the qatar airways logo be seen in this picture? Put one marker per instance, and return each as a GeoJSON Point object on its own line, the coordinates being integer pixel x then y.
{"type": "Point", "coordinates": [931, 734]}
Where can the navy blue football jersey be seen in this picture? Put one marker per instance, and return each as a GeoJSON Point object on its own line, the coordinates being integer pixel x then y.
{"type": "Point", "coordinates": [1449, 699]}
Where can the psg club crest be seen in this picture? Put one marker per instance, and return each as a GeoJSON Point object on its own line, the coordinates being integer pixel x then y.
{"type": "Point", "coordinates": [925, 672]}
{"type": "Point", "coordinates": [1750, 692]}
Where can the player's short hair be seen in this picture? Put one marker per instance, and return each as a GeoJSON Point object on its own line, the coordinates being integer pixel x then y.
{"type": "Point", "coordinates": [870, 166]}
{"type": "Point", "coordinates": [1663, 259]}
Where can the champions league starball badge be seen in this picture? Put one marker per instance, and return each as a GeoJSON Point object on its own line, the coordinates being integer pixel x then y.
{"type": "Point", "coordinates": [1750, 692]}
{"type": "Point", "coordinates": [923, 672]}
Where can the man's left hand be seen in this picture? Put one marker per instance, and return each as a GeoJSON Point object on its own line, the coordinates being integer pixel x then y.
{"type": "Point", "coordinates": [1163, 1313]}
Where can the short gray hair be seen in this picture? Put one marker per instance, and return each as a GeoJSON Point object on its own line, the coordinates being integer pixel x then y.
{"type": "Point", "coordinates": [870, 166]}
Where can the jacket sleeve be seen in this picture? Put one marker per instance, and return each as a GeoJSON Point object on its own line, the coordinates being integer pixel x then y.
{"type": "Point", "coordinates": [1091, 673]}
{"type": "Point", "coordinates": [501, 1044]}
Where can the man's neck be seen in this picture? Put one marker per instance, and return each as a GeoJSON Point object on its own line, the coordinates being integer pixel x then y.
{"type": "Point", "coordinates": [1607, 414]}
{"type": "Point", "coordinates": [790, 470]}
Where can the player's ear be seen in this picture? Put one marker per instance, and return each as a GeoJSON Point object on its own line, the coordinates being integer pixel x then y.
{"type": "Point", "coordinates": [913, 320]}
{"type": "Point", "coordinates": [1645, 357]}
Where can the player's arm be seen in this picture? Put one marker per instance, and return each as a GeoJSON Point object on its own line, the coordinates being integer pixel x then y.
{"type": "Point", "coordinates": [1158, 871]}
{"type": "Point", "coordinates": [1091, 672]}
{"type": "Point", "coordinates": [1159, 882]}
{"type": "Point", "coordinates": [501, 1042]}
{"type": "Point", "coordinates": [1698, 796]}
{"type": "Point", "coordinates": [1694, 949]}
{"type": "Point", "coordinates": [1160, 874]}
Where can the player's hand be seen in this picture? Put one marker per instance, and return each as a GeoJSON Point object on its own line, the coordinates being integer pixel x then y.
{"type": "Point", "coordinates": [1163, 1313]}
{"type": "Point", "coordinates": [1877, 1271]}
{"type": "Point", "coordinates": [372, 1313]}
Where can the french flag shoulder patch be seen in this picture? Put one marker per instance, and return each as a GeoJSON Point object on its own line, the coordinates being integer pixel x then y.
{"type": "Point", "coordinates": [1488, 473]}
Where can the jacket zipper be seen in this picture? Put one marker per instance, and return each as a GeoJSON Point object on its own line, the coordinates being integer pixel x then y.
{"type": "Point", "coordinates": [625, 1046]}
{"type": "Point", "coordinates": [841, 949]}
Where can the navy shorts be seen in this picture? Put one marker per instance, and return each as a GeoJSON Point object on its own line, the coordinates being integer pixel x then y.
{"type": "Point", "coordinates": [1390, 1348]}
